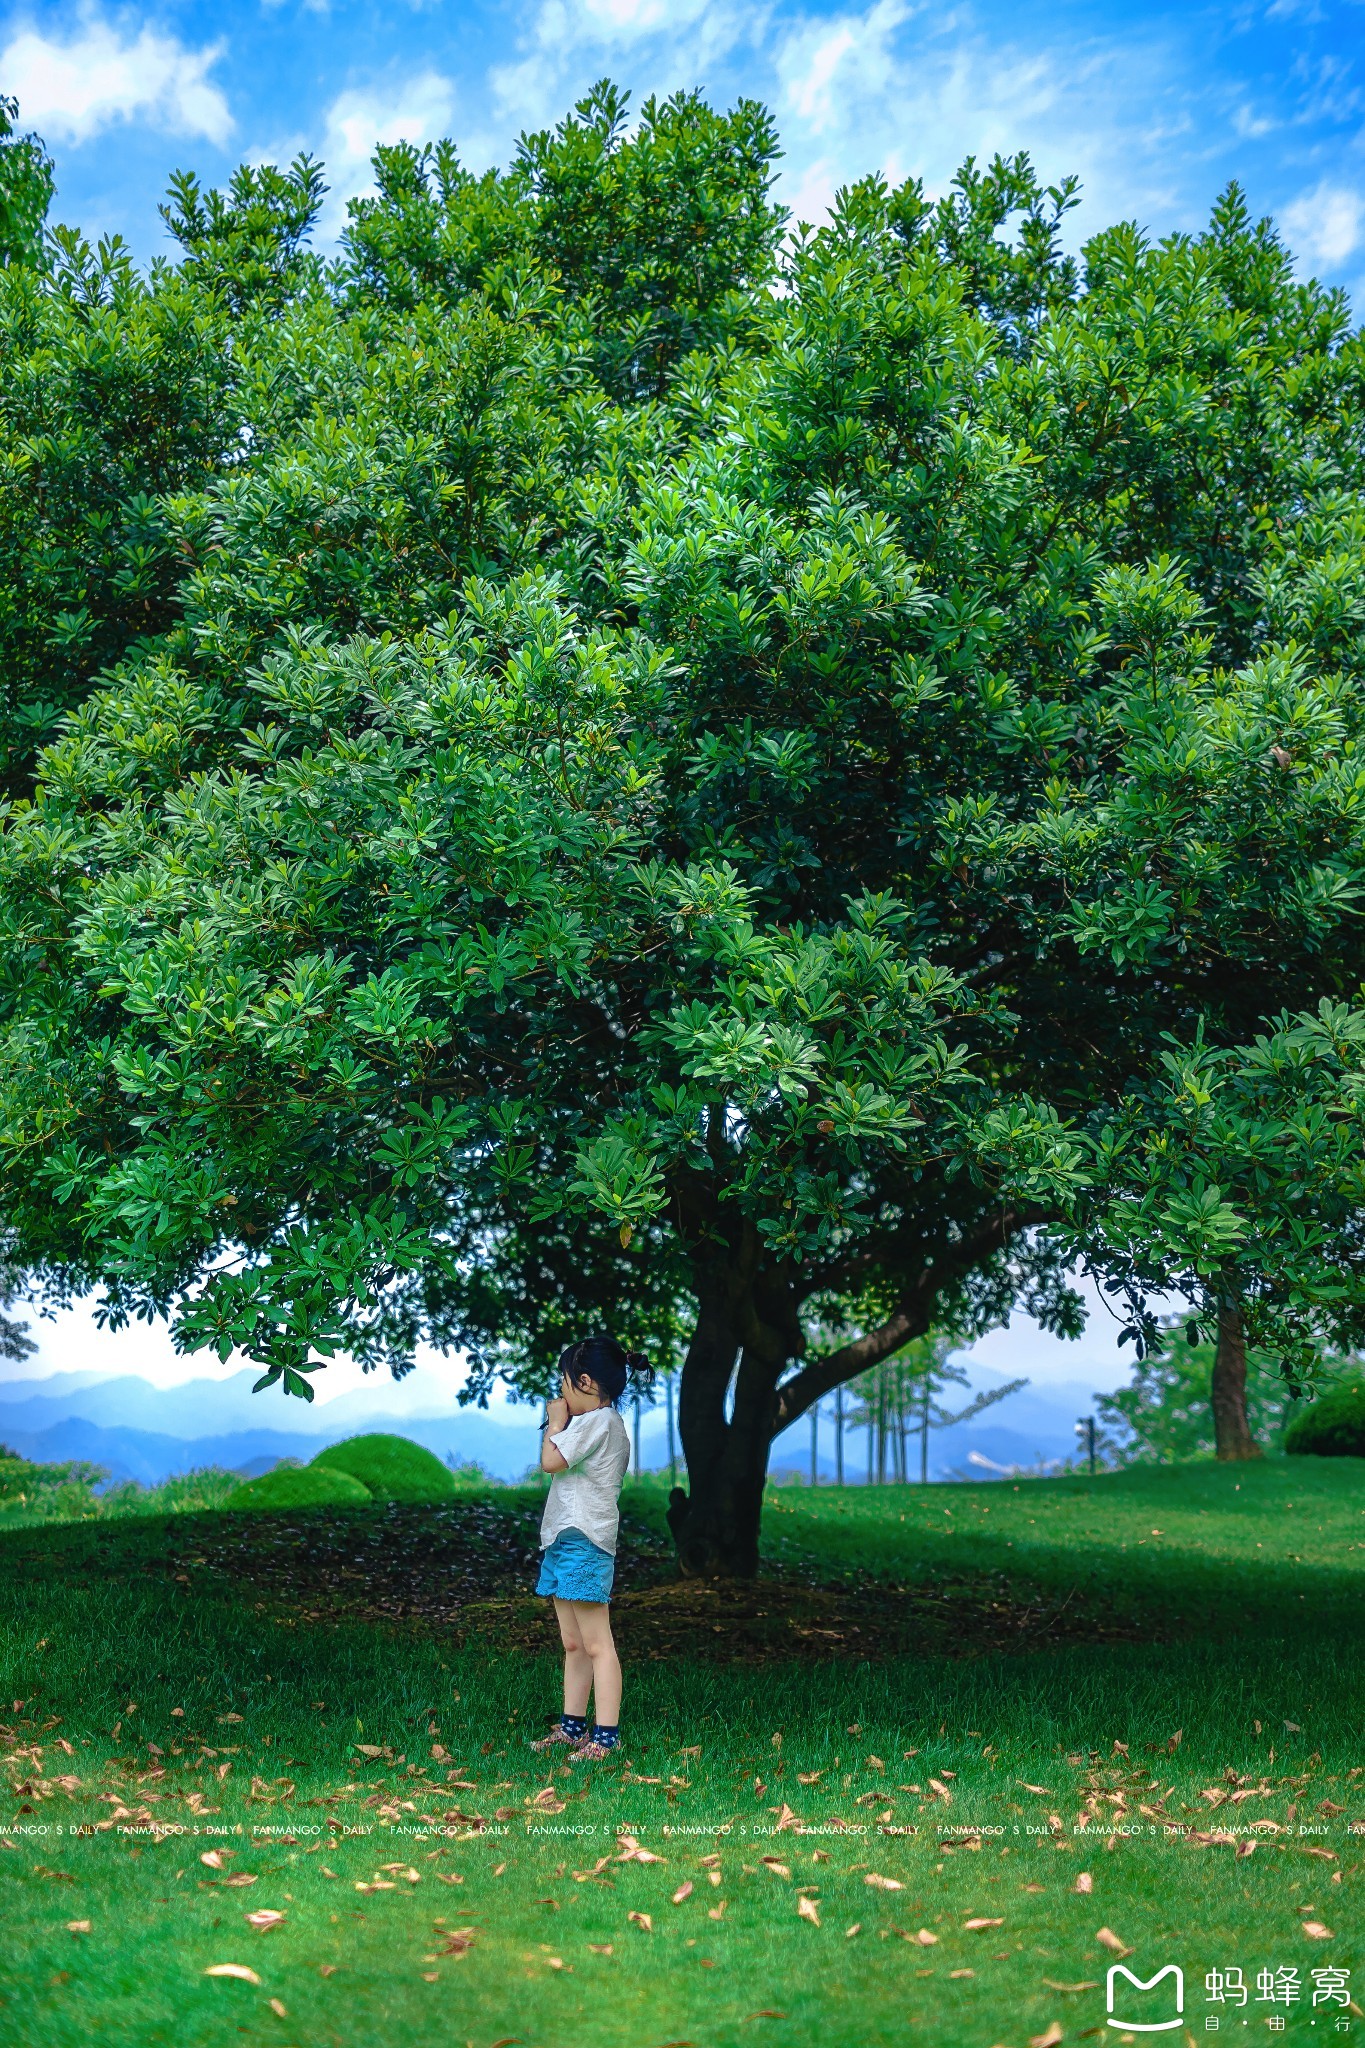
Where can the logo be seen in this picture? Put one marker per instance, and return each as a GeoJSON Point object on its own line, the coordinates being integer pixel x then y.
{"type": "Point", "coordinates": [1117, 1970]}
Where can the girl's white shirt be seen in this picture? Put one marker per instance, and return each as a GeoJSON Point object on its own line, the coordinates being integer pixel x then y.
{"type": "Point", "coordinates": [596, 1448]}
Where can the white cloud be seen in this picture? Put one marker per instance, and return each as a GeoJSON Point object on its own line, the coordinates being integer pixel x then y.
{"type": "Point", "coordinates": [418, 109]}
{"type": "Point", "coordinates": [72, 90]}
{"type": "Point", "coordinates": [671, 44]}
{"type": "Point", "coordinates": [1326, 224]}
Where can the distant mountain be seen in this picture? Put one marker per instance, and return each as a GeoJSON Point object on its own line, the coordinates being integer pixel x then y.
{"type": "Point", "coordinates": [138, 1431]}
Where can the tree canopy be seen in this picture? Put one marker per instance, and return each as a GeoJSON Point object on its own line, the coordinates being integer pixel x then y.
{"type": "Point", "coordinates": [603, 758]}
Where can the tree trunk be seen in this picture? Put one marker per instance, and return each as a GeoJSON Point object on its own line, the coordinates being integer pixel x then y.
{"type": "Point", "coordinates": [1231, 1431]}
{"type": "Point", "coordinates": [715, 1522]}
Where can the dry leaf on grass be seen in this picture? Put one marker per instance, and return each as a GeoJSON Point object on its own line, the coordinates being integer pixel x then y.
{"type": "Point", "coordinates": [926, 1939]}
{"type": "Point", "coordinates": [265, 1919]}
{"type": "Point", "coordinates": [547, 1800]}
{"type": "Point", "coordinates": [327, 1969]}
{"type": "Point", "coordinates": [240, 1878]}
{"type": "Point", "coordinates": [1043, 1791]}
{"type": "Point", "coordinates": [716, 1912]}
{"type": "Point", "coordinates": [962, 1973]}
{"type": "Point", "coordinates": [974, 1926]}
{"type": "Point", "coordinates": [601, 1948]}
{"type": "Point", "coordinates": [381, 1884]}
{"type": "Point", "coordinates": [808, 1910]}
{"type": "Point", "coordinates": [856, 1928]}
{"type": "Point", "coordinates": [684, 1891]}
{"type": "Point", "coordinates": [447, 1877]}
{"type": "Point", "coordinates": [78, 1926]}
{"type": "Point", "coordinates": [1048, 2039]}
{"type": "Point", "coordinates": [458, 1942]}
{"type": "Point", "coordinates": [1087, 1984]}
{"type": "Point", "coordinates": [641, 1920]}
{"type": "Point", "coordinates": [232, 1970]}
{"type": "Point", "coordinates": [1084, 1882]}
{"type": "Point", "coordinates": [777, 1868]}
{"type": "Point", "coordinates": [883, 1884]}
{"type": "Point", "coordinates": [629, 1851]}
{"type": "Point", "coordinates": [216, 1858]}
{"type": "Point", "coordinates": [1108, 1939]}
{"type": "Point", "coordinates": [431, 1976]}
{"type": "Point", "coordinates": [554, 1962]}
{"type": "Point", "coordinates": [767, 2012]}
{"type": "Point", "coordinates": [277, 2005]}
{"type": "Point", "coordinates": [1316, 1929]}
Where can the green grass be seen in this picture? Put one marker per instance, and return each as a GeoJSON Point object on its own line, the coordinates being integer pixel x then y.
{"type": "Point", "coordinates": [1249, 1600]}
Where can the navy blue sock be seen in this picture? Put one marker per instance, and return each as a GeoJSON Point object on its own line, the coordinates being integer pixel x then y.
{"type": "Point", "coordinates": [608, 1734]}
{"type": "Point", "coordinates": [575, 1725]}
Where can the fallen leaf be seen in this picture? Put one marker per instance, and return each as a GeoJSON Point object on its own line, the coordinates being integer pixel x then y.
{"type": "Point", "coordinates": [554, 1962]}
{"type": "Point", "coordinates": [215, 1858]}
{"type": "Point", "coordinates": [808, 1910]}
{"type": "Point", "coordinates": [546, 1800]}
{"type": "Point", "coordinates": [926, 1939]}
{"type": "Point", "coordinates": [239, 1878]}
{"type": "Point", "coordinates": [768, 2012]}
{"type": "Point", "coordinates": [809, 1777]}
{"type": "Point", "coordinates": [1316, 1929]}
{"type": "Point", "coordinates": [856, 1928]}
{"type": "Point", "coordinates": [78, 1926]}
{"type": "Point", "coordinates": [641, 1920]}
{"type": "Point", "coordinates": [1084, 1882]}
{"type": "Point", "coordinates": [1293, 1728]}
{"type": "Point", "coordinates": [974, 1926]}
{"type": "Point", "coordinates": [883, 1884]}
{"type": "Point", "coordinates": [277, 2005]}
{"type": "Point", "coordinates": [232, 1970]}
{"type": "Point", "coordinates": [777, 1868]}
{"type": "Point", "coordinates": [264, 1920]}
{"type": "Point", "coordinates": [431, 1976]}
{"type": "Point", "coordinates": [1089, 1984]}
{"type": "Point", "coordinates": [716, 1912]}
{"type": "Point", "coordinates": [601, 1948]}
{"type": "Point", "coordinates": [1047, 2040]}
{"type": "Point", "coordinates": [631, 1852]}
{"type": "Point", "coordinates": [458, 1941]}
{"type": "Point", "coordinates": [223, 1719]}
{"type": "Point", "coordinates": [1108, 1939]}
{"type": "Point", "coordinates": [962, 1973]}
{"type": "Point", "coordinates": [327, 1969]}
{"type": "Point", "coordinates": [684, 1891]}
{"type": "Point", "coordinates": [326, 1872]}
{"type": "Point", "coordinates": [1043, 1791]}
{"type": "Point", "coordinates": [381, 1884]}
{"type": "Point", "coordinates": [446, 1877]}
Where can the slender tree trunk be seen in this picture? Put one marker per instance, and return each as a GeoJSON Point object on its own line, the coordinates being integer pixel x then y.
{"type": "Point", "coordinates": [672, 1440]}
{"type": "Point", "coordinates": [924, 1437]}
{"type": "Point", "coordinates": [815, 1445]}
{"type": "Point", "coordinates": [838, 1436]}
{"type": "Point", "coordinates": [637, 1436]}
{"type": "Point", "coordinates": [1231, 1430]}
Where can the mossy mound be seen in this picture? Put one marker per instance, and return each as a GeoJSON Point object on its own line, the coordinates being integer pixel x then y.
{"type": "Point", "coordinates": [300, 1486]}
{"type": "Point", "coordinates": [391, 1467]}
{"type": "Point", "coordinates": [1333, 1426]}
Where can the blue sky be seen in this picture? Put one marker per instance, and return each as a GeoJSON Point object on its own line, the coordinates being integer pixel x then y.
{"type": "Point", "coordinates": [1155, 108]}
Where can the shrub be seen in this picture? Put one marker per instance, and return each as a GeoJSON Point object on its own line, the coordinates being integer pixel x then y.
{"type": "Point", "coordinates": [1332, 1426]}
{"type": "Point", "coordinates": [391, 1467]}
{"type": "Point", "coordinates": [299, 1486]}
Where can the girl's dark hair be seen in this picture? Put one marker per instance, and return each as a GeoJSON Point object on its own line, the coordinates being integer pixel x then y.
{"type": "Point", "coordinates": [609, 1366]}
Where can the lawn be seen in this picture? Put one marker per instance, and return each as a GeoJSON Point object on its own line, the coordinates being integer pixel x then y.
{"type": "Point", "coordinates": [956, 1752]}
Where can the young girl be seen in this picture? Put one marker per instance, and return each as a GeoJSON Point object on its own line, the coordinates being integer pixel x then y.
{"type": "Point", "coordinates": [585, 1445]}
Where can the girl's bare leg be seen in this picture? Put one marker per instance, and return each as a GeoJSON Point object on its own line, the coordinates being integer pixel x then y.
{"type": "Point", "coordinates": [592, 1624]}
{"type": "Point", "coordinates": [578, 1662]}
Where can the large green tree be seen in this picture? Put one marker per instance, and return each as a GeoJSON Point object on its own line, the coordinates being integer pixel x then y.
{"type": "Point", "coordinates": [724, 788]}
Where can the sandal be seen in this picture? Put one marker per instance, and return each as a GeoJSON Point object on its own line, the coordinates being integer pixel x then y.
{"type": "Point", "coordinates": [593, 1752]}
{"type": "Point", "coordinates": [553, 1739]}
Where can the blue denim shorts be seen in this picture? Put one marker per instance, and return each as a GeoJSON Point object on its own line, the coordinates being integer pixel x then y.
{"type": "Point", "coordinates": [574, 1569]}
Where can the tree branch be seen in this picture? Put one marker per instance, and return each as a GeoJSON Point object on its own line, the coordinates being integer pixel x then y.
{"type": "Point", "coordinates": [911, 1318]}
